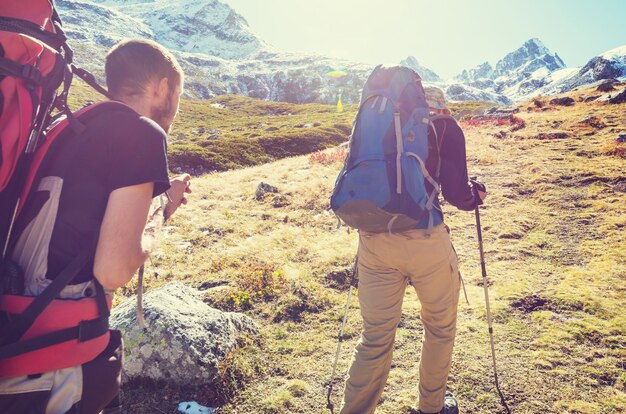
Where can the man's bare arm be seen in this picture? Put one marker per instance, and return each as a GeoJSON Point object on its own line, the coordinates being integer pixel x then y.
{"type": "Point", "coordinates": [120, 252]}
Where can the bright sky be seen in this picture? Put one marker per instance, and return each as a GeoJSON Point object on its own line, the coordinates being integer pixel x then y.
{"type": "Point", "coordinates": [444, 35]}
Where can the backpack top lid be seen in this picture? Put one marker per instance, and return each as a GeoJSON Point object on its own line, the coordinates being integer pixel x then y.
{"type": "Point", "coordinates": [392, 82]}
{"type": "Point", "coordinates": [38, 12]}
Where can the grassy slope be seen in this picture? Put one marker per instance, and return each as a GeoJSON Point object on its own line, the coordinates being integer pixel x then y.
{"type": "Point", "coordinates": [231, 131]}
{"type": "Point", "coordinates": [554, 239]}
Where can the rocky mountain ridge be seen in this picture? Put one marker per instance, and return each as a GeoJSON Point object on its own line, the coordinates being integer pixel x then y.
{"type": "Point", "coordinates": [221, 54]}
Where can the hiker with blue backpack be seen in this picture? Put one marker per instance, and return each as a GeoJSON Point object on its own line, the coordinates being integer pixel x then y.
{"type": "Point", "coordinates": [405, 150]}
{"type": "Point", "coordinates": [79, 201]}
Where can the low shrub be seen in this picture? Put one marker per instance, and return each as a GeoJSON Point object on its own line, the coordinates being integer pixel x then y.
{"type": "Point", "coordinates": [239, 367]}
{"type": "Point", "coordinates": [338, 155]}
{"type": "Point", "coordinates": [311, 298]}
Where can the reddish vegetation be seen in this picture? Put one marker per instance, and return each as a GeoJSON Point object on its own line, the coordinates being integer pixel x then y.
{"type": "Point", "coordinates": [618, 150]}
{"type": "Point", "coordinates": [328, 158]}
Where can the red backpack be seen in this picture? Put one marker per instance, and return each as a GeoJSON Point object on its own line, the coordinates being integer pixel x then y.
{"type": "Point", "coordinates": [41, 333]}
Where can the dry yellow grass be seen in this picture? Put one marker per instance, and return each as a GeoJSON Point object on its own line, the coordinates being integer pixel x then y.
{"type": "Point", "coordinates": [554, 229]}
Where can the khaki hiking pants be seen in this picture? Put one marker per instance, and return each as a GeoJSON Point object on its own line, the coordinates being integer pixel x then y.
{"type": "Point", "coordinates": [387, 262]}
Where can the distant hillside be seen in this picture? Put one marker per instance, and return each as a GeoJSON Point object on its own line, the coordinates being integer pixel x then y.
{"type": "Point", "coordinates": [230, 131]}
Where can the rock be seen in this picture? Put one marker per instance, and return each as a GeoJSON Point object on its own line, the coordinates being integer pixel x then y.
{"type": "Point", "coordinates": [316, 124]}
{"type": "Point", "coordinates": [500, 134]}
{"type": "Point", "coordinates": [591, 98]}
{"type": "Point", "coordinates": [262, 189]}
{"type": "Point", "coordinates": [551, 135]}
{"type": "Point", "coordinates": [509, 110]}
{"type": "Point", "coordinates": [538, 103]}
{"type": "Point", "coordinates": [619, 98]}
{"type": "Point", "coordinates": [212, 137]}
{"type": "Point", "coordinates": [271, 129]}
{"type": "Point", "coordinates": [620, 187]}
{"type": "Point", "coordinates": [606, 86]}
{"type": "Point", "coordinates": [621, 139]}
{"type": "Point", "coordinates": [280, 200]}
{"type": "Point", "coordinates": [593, 121]}
{"type": "Point", "coordinates": [185, 338]}
{"type": "Point", "coordinates": [200, 130]}
{"type": "Point", "coordinates": [564, 101]}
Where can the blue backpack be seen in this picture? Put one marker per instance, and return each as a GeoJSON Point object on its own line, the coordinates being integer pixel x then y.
{"type": "Point", "coordinates": [382, 186]}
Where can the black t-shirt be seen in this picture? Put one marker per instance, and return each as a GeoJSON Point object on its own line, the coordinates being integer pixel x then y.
{"type": "Point", "coordinates": [118, 148]}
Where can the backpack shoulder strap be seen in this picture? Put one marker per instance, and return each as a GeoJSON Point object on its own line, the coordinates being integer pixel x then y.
{"type": "Point", "coordinates": [84, 116]}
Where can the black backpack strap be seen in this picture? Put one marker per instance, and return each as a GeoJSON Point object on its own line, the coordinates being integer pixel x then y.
{"type": "Point", "coordinates": [85, 331]}
{"type": "Point", "coordinates": [9, 67]}
{"type": "Point", "coordinates": [12, 24]}
{"type": "Point", "coordinates": [90, 80]}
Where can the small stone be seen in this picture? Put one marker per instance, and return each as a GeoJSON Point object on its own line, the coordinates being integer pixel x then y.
{"type": "Point", "coordinates": [593, 121]}
{"type": "Point", "coordinates": [620, 187]}
{"type": "Point", "coordinates": [551, 135]}
{"type": "Point", "coordinates": [262, 189]}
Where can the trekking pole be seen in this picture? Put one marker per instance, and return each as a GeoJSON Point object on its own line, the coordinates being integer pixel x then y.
{"type": "Point", "coordinates": [484, 272]}
{"type": "Point", "coordinates": [329, 404]}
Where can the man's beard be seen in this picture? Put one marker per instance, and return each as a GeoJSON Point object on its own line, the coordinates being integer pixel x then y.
{"type": "Point", "coordinates": [163, 115]}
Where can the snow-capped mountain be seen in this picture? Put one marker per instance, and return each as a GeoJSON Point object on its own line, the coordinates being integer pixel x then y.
{"type": "Point", "coordinates": [217, 49]}
{"type": "Point", "coordinates": [517, 74]}
{"type": "Point", "coordinates": [195, 26]}
{"type": "Point", "coordinates": [221, 54]}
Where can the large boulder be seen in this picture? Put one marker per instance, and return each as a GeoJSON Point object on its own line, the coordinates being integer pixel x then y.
{"type": "Point", "coordinates": [184, 340]}
{"type": "Point", "coordinates": [620, 98]}
{"type": "Point", "coordinates": [564, 101]}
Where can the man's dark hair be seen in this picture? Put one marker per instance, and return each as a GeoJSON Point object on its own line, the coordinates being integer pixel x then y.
{"type": "Point", "coordinates": [131, 64]}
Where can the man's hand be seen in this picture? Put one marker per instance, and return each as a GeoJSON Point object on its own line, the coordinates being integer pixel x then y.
{"type": "Point", "coordinates": [479, 189]}
{"type": "Point", "coordinates": [179, 186]}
